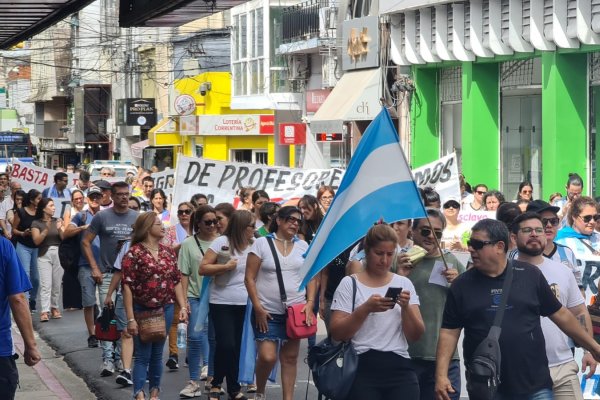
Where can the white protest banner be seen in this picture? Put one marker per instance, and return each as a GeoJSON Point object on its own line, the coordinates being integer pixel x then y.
{"type": "Point", "coordinates": [220, 180]}
{"type": "Point", "coordinates": [164, 180]}
{"type": "Point", "coordinates": [33, 177]}
{"type": "Point", "coordinates": [442, 175]}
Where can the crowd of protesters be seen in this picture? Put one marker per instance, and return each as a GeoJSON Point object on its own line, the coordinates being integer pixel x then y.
{"type": "Point", "coordinates": [212, 266]}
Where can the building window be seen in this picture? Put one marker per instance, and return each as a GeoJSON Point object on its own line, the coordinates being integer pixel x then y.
{"type": "Point", "coordinates": [243, 36]}
{"type": "Point", "coordinates": [450, 88]}
{"type": "Point", "coordinates": [257, 156]}
{"type": "Point", "coordinates": [259, 33]}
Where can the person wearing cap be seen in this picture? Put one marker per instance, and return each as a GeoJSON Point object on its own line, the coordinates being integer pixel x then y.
{"type": "Point", "coordinates": [554, 251]}
{"type": "Point", "coordinates": [455, 233]}
{"type": "Point", "coordinates": [106, 201]}
{"type": "Point", "coordinates": [77, 226]}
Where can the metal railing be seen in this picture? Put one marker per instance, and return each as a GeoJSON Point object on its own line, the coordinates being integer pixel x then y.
{"type": "Point", "coordinates": [312, 18]}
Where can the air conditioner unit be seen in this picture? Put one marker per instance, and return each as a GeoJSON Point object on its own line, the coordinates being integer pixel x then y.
{"type": "Point", "coordinates": [328, 71]}
{"type": "Point", "coordinates": [299, 67]}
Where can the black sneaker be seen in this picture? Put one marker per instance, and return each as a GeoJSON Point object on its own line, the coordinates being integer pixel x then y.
{"type": "Point", "coordinates": [92, 341]}
{"type": "Point", "coordinates": [124, 378]}
{"type": "Point", "coordinates": [172, 362]}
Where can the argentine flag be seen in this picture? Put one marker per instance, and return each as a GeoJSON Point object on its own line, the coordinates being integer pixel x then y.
{"type": "Point", "coordinates": [377, 184]}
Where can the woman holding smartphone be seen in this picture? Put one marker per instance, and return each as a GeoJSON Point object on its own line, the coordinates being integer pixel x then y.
{"type": "Point", "coordinates": [379, 327]}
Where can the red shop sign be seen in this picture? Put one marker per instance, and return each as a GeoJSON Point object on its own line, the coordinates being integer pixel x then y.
{"type": "Point", "coordinates": [292, 133]}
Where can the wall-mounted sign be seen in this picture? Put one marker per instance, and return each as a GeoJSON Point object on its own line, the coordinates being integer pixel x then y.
{"type": "Point", "coordinates": [236, 124]}
{"type": "Point", "coordinates": [360, 37]}
{"type": "Point", "coordinates": [188, 125]}
{"type": "Point", "coordinates": [315, 98]}
{"type": "Point", "coordinates": [292, 133]}
{"type": "Point", "coordinates": [185, 104]}
{"type": "Point", "coordinates": [329, 137]}
{"type": "Point", "coordinates": [140, 112]}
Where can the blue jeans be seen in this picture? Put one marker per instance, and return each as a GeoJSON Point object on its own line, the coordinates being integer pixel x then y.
{"type": "Point", "coordinates": [28, 257]}
{"type": "Point", "coordinates": [542, 394]}
{"type": "Point", "coordinates": [148, 356]}
{"type": "Point", "coordinates": [425, 371]}
{"type": "Point", "coordinates": [197, 342]}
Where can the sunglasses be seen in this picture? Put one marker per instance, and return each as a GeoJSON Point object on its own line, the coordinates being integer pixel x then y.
{"type": "Point", "coordinates": [186, 211]}
{"type": "Point", "coordinates": [210, 222]}
{"type": "Point", "coordinates": [552, 221]}
{"type": "Point", "coordinates": [456, 206]}
{"type": "Point", "coordinates": [426, 232]}
{"type": "Point", "coordinates": [481, 192]}
{"type": "Point", "coordinates": [588, 218]}
{"type": "Point", "coordinates": [529, 230]}
{"type": "Point", "coordinates": [293, 220]}
{"type": "Point", "coordinates": [479, 244]}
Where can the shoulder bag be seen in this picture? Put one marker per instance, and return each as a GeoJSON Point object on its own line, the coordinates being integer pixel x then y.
{"type": "Point", "coordinates": [106, 326]}
{"type": "Point", "coordinates": [333, 365]}
{"type": "Point", "coordinates": [483, 370]}
{"type": "Point", "coordinates": [295, 326]}
{"type": "Point", "coordinates": [151, 325]}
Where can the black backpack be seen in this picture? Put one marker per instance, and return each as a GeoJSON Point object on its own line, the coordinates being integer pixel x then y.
{"type": "Point", "coordinates": [69, 250]}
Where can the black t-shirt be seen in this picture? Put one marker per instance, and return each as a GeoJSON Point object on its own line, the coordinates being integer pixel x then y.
{"type": "Point", "coordinates": [471, 304]}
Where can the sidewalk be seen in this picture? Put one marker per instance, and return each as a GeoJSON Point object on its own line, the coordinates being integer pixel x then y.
{"type": "Point", "coordinates": [50, 379]}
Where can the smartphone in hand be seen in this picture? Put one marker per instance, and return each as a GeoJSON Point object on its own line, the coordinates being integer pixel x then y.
{"type": "Point", "coordinates": [393, 293]}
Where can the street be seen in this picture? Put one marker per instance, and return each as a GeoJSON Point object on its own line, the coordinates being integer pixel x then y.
{"type": "Point", "coordinates": [68, 337]}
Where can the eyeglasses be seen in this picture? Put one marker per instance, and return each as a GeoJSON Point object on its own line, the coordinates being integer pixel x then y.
{"type": "Point", "coordinates": [552, 221]}
{"type": "Point", "coordinates": [293, 220]}
{"type": "Point", "coordinates": [588, 218]}
{"type": "Point", "coordinates": [209, 222]}
{"type": "Point", "coordinates": [529, 230]}
{"type": "Point", "coordinates": [326, 197]}
{"type": "Point", "coordinates": [456, 206]}
{"type": "Point", "coordinates": [479, 244]}
{"type": "Point", "coordinates": [480, 192]}
{"type": "Point", "coordinates": [185, 211]}
{"type": "Point", "coordinates": [426, 232]}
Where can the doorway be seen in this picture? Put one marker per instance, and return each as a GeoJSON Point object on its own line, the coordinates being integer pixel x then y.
{"type": "Point", "coordinates": [521, 143]}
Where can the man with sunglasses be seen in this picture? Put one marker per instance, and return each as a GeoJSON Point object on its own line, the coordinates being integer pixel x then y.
{"type": "Point", "coordinates": [472, 303]}
{"type": "Point", "coordinates": [530, 238]}
{"type": "Point", "coordinates": [554, 251]}
{"type": "Point", "coordinates": [427, 233]}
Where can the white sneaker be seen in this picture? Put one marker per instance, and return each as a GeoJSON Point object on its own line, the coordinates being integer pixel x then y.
{"type": "Point", "coordinates": [192, 390]}
{"type": "Point", "coordinates": [108, 368]}
{"type": "Point", "coordinates": [204, 373]}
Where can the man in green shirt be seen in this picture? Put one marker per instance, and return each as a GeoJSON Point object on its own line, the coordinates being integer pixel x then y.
{"type": "Point", "coordinates": [432, 277]}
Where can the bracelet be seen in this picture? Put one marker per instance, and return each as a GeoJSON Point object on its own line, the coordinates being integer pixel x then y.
{"type": "Point", "coordinates": [130, 320]}
{"type": "Point", "coordinates": [183, 308]}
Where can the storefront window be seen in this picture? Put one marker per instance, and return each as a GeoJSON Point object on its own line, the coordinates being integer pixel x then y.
{"type": "Point", "coordinates": [161, 157]}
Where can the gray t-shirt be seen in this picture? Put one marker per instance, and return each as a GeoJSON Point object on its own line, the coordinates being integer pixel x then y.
{"type": "Point", "coordinates": [111, 227]}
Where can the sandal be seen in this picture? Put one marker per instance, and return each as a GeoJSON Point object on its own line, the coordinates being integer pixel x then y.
{"type": "Point", "coordinates": [237, 396]}
{"type": "Point", "coordinates": [44, 317]}
{"type": "Point", "coordinates": [214, 394]}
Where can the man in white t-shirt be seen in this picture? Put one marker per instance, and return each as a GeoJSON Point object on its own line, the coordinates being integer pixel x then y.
{"type": "Point", "coordinates": [528, 234]}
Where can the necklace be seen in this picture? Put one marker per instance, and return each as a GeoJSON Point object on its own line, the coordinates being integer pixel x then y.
{"type": "Point", "coordinates": [149, 247]}
{"type": "Point", "coordinates": [285, 243]}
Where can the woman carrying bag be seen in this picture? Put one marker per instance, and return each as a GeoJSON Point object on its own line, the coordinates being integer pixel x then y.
{"type": "Point", "coordinates": [269, 315]}
{"type": "Point", "coordinates": [151, 284]}
{"type": "Point", "coordinates": [379, 326]}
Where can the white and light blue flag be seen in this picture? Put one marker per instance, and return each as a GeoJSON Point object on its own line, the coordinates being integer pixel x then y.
{"type": "Point", "coordinates": [378, 184]}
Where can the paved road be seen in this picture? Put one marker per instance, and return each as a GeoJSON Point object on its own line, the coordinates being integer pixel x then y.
{"type": "Point", "coordinates": [68, 337]}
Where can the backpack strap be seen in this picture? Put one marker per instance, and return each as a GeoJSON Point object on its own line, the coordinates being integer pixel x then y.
{"type": "Point", "coordinates": [497, 326]}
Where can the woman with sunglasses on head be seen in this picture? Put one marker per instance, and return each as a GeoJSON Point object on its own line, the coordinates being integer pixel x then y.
{"type": "Point", "coordinates": [150, 281]}
{"type": "Point", "coordinates": [204, 227]}
{"type": "Point", "coordinates": [325, 196]}
{"type": "Point", "coordinates": [456, 233]}
{"type": "Point", "coordinates": [269, 313]}
{"type": "Point", "coordinates": [580, 235]}
{"type": "Point", "coordinates": [225, 261]}
{"type": "Point", "coordinates": [431, 277]}
{"type": "Point", "coordinates": [379, 327]}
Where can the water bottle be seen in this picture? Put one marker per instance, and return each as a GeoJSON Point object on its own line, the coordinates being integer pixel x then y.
{"type": "Point", "coordinates": [181, 335]}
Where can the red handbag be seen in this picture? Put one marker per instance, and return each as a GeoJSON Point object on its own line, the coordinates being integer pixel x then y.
{"type": "Point", "coordinates": [106, 326]}
{"type": "Point", "coordinates": [295, 326]}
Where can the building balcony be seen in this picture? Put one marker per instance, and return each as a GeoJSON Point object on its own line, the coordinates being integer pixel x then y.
{"type": "Point", "coordinates": [305, 26]}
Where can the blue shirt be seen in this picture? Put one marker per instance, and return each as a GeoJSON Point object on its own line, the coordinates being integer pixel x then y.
{"type": "Point", "coordinates": [77, 220]}
{"type": "Point", "coordinates": [13, 280]}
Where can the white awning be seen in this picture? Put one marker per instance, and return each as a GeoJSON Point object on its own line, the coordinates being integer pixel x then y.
{"type": "Point", "coordinates": [137, 149]}
{"type": "Point", "coordinates": [354, 98]}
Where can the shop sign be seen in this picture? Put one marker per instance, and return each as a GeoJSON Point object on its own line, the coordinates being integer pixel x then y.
{"type": "Point", "coordinates": [140, 112]}
{"type": "Point", "coordinates": [188, 125]}
{"type": "Point", "coordinates": [315, 99]}
{"type": "Point", "coordinates": [236, 124]}
{"type": "Point", "coordinates": [185, 104]}
{"type": "Point", "coordinates": [292, 133]}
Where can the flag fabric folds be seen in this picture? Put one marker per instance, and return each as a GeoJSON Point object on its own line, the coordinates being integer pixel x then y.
{"type": "Point", "coordinates": [378, 184]}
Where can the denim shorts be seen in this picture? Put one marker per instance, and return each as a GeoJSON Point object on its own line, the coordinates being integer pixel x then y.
{"type": "Point", "coordinates": [276, 329]}
{"type": "Point", "coordinates": [120, 315]}
{"type": "Point", "coordinates": [88, 286]}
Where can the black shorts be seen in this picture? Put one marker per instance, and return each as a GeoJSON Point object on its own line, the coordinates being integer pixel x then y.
{"type": "Point", "coordinates": [9, 378]}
